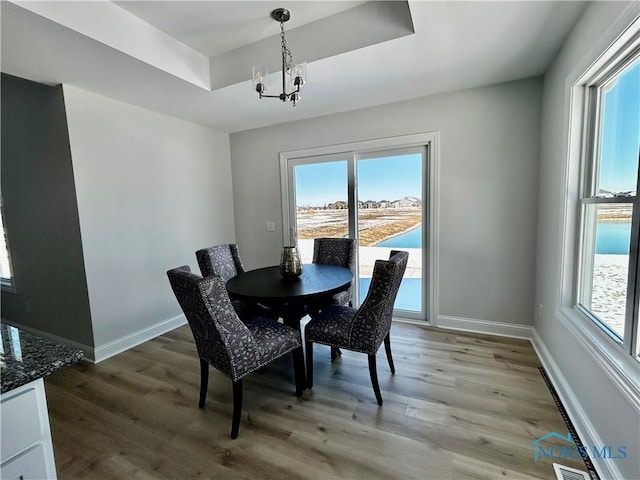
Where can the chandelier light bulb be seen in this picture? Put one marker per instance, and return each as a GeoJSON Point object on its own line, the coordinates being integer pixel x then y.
{"type": "Point", "coordinates": [299, 74]}
{"type": "Point", "coordinates": [259, 77]}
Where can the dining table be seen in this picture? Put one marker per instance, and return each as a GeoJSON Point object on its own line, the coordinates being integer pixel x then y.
{"type": "Point", "coordinates": [291, 297]}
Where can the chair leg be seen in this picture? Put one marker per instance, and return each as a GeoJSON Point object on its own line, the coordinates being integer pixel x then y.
{"type": "Point", "coordinates": [298, 370]}
{"type": "Point", "coordinates": [374, 378]}
{"type": "Point", "coordinates": [204, 381]}
{"type": "Point", "coordinates": [309, 347]}
{"type": "Point", "coordinates": [387, 348]}
{"type": "Point", "coordinates": [237, 408]}
{"type": "Point", "coordinates": [335, 353]}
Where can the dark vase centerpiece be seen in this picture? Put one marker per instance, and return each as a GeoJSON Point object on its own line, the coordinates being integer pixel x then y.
{"type": "Point", "coordinates": [290, 263]}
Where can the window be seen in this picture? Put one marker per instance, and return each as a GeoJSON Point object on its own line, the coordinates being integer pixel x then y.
{"type": "Point", "coordinates": [382, 192]}
{"type": "Point", "coordinates": [608, 288]}
{"type": "Point", "coordinates": [6, 276]}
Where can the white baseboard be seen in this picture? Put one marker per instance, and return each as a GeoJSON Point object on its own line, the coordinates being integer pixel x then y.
{"type": "Point", "coordinates": [86, 349]}
{"type": "Point", "coordinates": [98, 354]}
{"type": "Point", "coordinates": [136, 338]}
{"type": "Point", "coordinates": [578, 416]}
{"type": "Point", "coordinates": [485, 326]}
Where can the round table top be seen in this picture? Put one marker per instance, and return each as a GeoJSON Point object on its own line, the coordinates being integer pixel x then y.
{"type": "Point", "coordinates": [267, 283]}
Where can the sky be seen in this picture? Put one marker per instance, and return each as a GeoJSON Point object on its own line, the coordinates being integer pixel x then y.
{"type": "Point", "coordinates": [384, 178]}
{"type": "Point", "coordinates": [621, 133]}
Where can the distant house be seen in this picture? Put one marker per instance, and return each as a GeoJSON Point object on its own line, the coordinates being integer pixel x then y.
{"type": "Point", "coordinates": [384, 204]}
{"type": "Point", "coordinates": [407, 202]}
{"type": "Point", "coordinates": [339, 205]}
{"type": "Point", "coordinates": [368, 204]}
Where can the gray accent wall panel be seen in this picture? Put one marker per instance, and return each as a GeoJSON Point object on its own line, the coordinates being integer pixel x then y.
{"type": "Point", "coordinates": [41, 215]}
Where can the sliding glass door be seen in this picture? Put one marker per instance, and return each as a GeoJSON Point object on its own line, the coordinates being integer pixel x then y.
{"type": "Point", "coordinates": [376, 197]}
{"type": "Point", "coordinates": [390, 192]}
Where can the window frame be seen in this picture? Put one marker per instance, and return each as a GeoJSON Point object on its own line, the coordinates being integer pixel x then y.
{"type": "Point", "coordinates": [590, 87]}
{"type": "Point", "coordinates": [6, 284]}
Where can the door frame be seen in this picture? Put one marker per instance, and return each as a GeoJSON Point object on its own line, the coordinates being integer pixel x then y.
{"type": "Point", "coordinates": [431, 141]}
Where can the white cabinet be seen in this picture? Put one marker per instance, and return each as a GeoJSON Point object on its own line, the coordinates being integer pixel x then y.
{"type": "Point", "coordinates": [26, 450]}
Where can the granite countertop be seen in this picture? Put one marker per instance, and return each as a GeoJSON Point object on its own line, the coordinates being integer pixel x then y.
{"type": "Point", "coordinates": [25, 357]}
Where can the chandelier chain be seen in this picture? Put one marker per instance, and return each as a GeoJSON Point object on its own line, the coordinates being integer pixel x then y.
{"type": "Point", "coordinates": [286, 54]}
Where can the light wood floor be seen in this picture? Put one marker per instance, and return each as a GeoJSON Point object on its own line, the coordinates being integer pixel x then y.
{"type": "Point", "coordinates": [460, 406]}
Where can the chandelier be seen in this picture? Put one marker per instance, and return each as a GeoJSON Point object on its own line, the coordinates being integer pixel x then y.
{"type": "Point", "coordinates": [293, 77]}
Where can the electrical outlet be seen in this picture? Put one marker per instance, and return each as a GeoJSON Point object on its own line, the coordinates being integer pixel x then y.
{"type": "Point", "coordinates": [271, 226]}
{"type": "Point", "coordinates": [27, 307]}
{"type": "Point", "coordinates": [540, 311]}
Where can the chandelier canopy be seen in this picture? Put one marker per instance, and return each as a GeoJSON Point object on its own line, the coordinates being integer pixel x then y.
{"type": "Point", "coordinates": [293, 76]}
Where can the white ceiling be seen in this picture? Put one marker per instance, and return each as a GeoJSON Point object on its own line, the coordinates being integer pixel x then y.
{"type": "Point", "coordinates": [164, 55]}
{"type": "Point", "coordinates": [213, 28]}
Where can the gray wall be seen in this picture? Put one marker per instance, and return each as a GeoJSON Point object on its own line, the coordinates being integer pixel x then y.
{"type": "Point", "coordinates": [611, 414]}
{"type": "Point", "coordinates": [41, 216]}
{"type": "Point", "coordinates": [151, 190]}
{"type": "Point", "coordinates": [488, 188]}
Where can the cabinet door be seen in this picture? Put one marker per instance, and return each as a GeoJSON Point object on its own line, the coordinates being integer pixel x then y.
{"type": "Point", "coordinates": [26, 449]}
{"type": "Point", "coordinates": [31, 465]}
{"type": "Point", "coordinates": [20, 421]}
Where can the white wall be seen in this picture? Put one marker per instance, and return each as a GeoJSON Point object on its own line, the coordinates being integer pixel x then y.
{"type": "Point", "coordinates": [489, 142]}
{"type": "Point", "coordinates": [151, 190]}
{"type": "Point", "coordinates": [607, 415]}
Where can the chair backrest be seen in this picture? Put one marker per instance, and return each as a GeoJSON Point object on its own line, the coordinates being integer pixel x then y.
{"type": "Point", "coordinates": [372, 322]}
{"type": "Point", "coordinates": [221, 338]}
{"type": "Point", "coordinates": [336, 251]}
{"type": "Point", "coordinates": [222, 260]}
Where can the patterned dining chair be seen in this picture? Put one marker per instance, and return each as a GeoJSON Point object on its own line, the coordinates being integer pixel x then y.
{"type": "Point", "coordinates": [363, 329]}
{"type": "Point", "coordinates": [341, 252]}
{"type": "Point", "coordinates": [229, 345]}
{"type": "Point", "coordinates": [224, 261]}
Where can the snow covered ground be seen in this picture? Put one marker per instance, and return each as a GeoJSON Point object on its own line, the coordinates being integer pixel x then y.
{"type": "Point", "coordinates": [609, 293]}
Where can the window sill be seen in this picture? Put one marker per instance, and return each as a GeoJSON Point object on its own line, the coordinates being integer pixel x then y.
{"type": "Point", "coordinates": [622, 368]}
{"type": "Point", "coordinates": [7, 287]}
